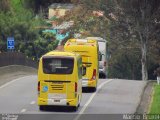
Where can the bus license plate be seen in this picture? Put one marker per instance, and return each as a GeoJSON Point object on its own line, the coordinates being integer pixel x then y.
{"type": "Point", "coordinates": [56, 100]}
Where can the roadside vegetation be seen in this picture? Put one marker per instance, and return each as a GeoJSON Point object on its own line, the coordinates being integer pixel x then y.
{"type": "Point", "coordinates": [21, 22]}
{"type": "Point", "coordinates": [155, 105]}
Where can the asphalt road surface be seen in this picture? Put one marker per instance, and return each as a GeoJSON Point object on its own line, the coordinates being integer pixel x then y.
{"type": "Point", "coordinates": [113, 99]}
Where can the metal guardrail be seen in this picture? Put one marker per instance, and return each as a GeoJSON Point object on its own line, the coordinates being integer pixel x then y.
{"type": "Point", "coordinates": [16, 58]}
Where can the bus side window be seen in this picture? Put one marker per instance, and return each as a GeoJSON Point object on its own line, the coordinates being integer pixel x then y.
{"type": "Point", "coordinates": [79, 65]}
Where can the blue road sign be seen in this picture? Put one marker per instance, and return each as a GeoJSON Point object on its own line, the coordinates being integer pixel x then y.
{"type": "Point", "coordinates": [10, 43]}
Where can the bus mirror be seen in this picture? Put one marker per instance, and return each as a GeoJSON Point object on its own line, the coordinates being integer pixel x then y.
{"type": "Point", "coordinates": [99, 56]}
{"type": "Point", "coordinates": [83, 70]}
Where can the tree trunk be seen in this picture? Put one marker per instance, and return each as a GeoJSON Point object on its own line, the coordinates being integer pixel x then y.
{"type": "Point", "coordinates": [144, 61]}
{"type": "Point", "coordinates": [144, 58]}
{"type": "Point", "coordinates": [144, 39]}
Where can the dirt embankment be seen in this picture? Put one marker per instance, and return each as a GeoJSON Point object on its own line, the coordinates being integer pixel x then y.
{"type": "Point", "coordinates": [11, 72]}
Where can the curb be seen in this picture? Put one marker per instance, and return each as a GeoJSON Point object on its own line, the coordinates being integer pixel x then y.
{"type": "Point", "coordinates": [140, 108]}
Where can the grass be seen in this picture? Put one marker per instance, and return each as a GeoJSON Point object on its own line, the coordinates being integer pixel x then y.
{"type": "Point", "coordinates": [155, 105]}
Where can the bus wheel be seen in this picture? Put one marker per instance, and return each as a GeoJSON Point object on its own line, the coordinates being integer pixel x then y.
{"type": "Point", "coordinates": [41, 108]}
{"type": "Point", "coordinates": [104, 77]}
{"type": "Point", "coordinates": [94, 89]}
{"type": "Point", "coordinates": [75, 108]}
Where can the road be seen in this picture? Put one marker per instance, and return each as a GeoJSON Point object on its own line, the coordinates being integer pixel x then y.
{"type": "Point", "coordinates": [114, 96]}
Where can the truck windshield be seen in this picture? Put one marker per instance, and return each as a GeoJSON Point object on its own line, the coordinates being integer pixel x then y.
{"type": "Point", "coordinates": [102, 46]}
{"type": "Point", "coordinates": [58, 65]}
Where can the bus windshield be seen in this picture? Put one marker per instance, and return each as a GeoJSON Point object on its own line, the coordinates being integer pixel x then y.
{"type": "Point", "coordinates": [58, 65]}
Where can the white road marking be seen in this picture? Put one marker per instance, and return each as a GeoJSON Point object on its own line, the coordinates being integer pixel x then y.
{"type": "Point", "coordinates": [90, 99]}
{"type": "Point", "coordinates": [14, 80]}
{"type": "Point", "coordinates": [33, 102]}
{"type": "Point", "coordinates": [23, 110]}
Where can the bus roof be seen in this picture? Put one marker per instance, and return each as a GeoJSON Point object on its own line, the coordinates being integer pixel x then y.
{"type": "Point", "coordinates": [81, 42]}
{"type": "Point", "coordinates": [61, 53]}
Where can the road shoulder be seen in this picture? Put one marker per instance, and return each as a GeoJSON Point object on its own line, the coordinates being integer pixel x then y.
{"type": "Point", "coordinates": [8, 73]}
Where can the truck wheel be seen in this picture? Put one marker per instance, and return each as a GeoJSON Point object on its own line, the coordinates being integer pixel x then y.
{"type": "Point", "coordinates": [94, 89]}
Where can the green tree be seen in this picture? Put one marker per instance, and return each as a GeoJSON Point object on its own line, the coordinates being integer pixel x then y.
{"type": "Point", "coordinates": [21, 24]}
{"type": "Point", "coordinates": [131, 28]}
{"type": "Point", "coordinates": [42, 46]}
{"type": "Point", "coordinates": [48, 35]}
{"type": "Point", "coordinates": [140, 19]}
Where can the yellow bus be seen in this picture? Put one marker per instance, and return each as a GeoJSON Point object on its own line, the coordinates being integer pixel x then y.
{"type": "Point", "coordinates": [60, 80]}
{"type": "Point", "coordinates": [88, 49]}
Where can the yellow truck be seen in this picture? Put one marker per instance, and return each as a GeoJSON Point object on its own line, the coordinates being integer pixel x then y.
{"type": "Point", "coordinates": [60, 80]}
{"type": "Point", "coordinates": [88, 49]}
